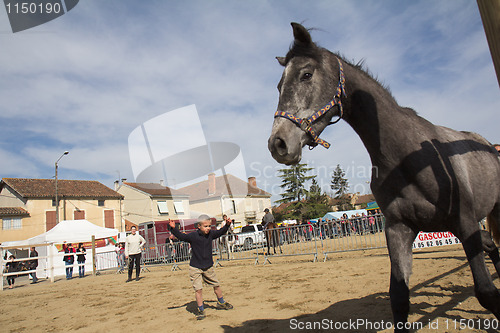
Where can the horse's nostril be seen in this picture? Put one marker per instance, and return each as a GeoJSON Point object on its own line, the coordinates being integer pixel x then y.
{"type": "Point", "coordinates": [280, 146]}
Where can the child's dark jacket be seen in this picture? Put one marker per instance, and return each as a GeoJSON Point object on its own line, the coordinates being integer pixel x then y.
{"type": "Point", "coordinates": [201, 245]}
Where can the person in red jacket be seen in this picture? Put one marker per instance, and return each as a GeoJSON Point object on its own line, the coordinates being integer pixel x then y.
{"type": "Point", "coordinates": [69, 259]}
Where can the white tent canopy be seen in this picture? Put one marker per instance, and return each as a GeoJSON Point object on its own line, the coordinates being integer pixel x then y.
{"type": "Point", "coordinates": [338, 215]}
{"type": "Point", "coordinates": [71, 231]}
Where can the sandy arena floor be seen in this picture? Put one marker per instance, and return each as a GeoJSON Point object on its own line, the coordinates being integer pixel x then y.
{"type": "Point", "coordinates": [292, 292]}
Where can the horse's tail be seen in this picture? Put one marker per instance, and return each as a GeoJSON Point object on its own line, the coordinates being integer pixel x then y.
{"type": "Point", "coordinates": [493, 228]}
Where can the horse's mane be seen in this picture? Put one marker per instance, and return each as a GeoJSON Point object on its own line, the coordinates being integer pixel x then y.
{"type": "Point", "coordinates": [360, 65]}
{"type": "Point", "coordinates": [314, 51]}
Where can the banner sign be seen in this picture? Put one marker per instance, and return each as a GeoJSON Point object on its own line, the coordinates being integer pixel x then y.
{"type": "Point", "coordinates": [430, 239]}
{"type": "Point", "coordinates": [101, 242]}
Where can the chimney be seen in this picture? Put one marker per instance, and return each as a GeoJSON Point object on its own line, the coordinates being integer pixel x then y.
{"type": "Point", "coordinates": [252, 181]}
{"type": "Point", "coordinates": [162, 182]}
{"type": "Point", "coordinates": [117, 183]}
{"type": "Point", "coordinates": [211, 183]}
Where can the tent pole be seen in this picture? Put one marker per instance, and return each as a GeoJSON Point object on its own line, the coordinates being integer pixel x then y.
{"type": "Point", "coordinates": [93, 256]}
{"type": "Point", "coordinates": [51, 262]}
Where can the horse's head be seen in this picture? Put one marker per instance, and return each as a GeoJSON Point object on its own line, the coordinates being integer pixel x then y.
{"type": "Point", "coordinates": [310, 79]}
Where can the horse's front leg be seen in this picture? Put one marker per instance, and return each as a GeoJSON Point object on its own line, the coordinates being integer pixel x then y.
{"type": "Point", "coordinates": [400, 238]}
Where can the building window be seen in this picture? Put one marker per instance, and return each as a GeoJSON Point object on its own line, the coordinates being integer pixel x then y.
{"type": "Point", "coordinates": [11, 223]}
{"type": "Point", "coordinates": [79, 214]}
{"type": "Point", "coordinates": [162, 207]}
{"type": "Point", "coordinates": [179, 207]}
{"type": "Point", "coordinates": [100, 203]}
{"type": "Point", "coordinates": [234, 207]}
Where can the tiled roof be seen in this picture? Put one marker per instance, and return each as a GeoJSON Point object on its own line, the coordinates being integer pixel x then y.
{"type": "Point", "coordinates": [13, 211]}
{"type": "Point", "coordinates": [237, 187]}
{"type": "Point", "coordinates": [155, 189]}
{"type": "Point", "coordinates": [366, 198]}
{"type": "Point", "coordinates": [45, 188]}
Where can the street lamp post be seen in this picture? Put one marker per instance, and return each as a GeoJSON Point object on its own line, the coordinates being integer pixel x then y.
{"type": "Point", "coordinates": [57, 199]}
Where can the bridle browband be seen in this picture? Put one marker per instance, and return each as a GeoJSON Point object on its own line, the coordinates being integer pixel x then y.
{"type": "Point", "coordinates": [306, 123]}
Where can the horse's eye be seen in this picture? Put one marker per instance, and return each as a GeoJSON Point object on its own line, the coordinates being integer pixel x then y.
{"type": "Point", "coordinates": [306, 76]}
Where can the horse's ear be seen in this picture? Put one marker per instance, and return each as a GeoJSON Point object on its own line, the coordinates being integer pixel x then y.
{"type": "Point", "coordinates": [281, 60]}
{"type": "Point", "coordinates": [301, 35]}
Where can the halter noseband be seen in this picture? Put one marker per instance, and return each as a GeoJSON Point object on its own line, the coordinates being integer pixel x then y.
{"type": "Point", "coordinates": [306, 123]}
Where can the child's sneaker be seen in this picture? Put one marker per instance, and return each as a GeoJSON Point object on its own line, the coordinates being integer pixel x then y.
{"type": "Point", "coordinates": [224, 306]}
{"type": "Point", "coordinates": [200, 314]}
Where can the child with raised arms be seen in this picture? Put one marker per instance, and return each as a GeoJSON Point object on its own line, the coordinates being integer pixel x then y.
{"type": "Point", "coordinates": [201, 265]}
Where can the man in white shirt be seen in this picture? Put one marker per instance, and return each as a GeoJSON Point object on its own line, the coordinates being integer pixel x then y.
{"type": "Point", "coordinates": [133, 246]}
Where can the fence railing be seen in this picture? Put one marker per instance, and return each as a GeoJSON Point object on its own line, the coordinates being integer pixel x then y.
{"type": "Point", "coordinates": [51, 264]}
{"type": "Point", "coordinates": [175, 254]}
{"type": "Point", "coordinates": [318, 239]}
{"type": "Point", "coordinates": [353, 234]}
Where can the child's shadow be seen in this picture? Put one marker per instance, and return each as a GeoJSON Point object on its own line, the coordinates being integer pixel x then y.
{"type": "Point", "coordinates": [192, 307]}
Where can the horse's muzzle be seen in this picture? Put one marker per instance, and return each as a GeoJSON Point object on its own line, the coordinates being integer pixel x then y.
{"type": "Point", "coordinates": [281, 152]}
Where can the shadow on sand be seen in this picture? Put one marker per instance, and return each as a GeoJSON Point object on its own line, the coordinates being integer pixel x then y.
{"type": "Point", "coordinates": [372, 311]}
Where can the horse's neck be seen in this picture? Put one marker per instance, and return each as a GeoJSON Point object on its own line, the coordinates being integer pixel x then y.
{"type": "Point", "coordinates": [380, 122]}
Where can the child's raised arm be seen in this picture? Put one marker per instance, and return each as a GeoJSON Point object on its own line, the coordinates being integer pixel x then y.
{"type": "Point", "coordinates": [176, 232]}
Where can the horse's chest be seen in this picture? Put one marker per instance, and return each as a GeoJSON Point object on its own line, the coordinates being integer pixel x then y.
{"type": "Point", "coordinates": [413, 204]}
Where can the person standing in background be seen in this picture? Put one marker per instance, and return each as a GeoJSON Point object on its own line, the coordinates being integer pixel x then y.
{"type": "Point", "coordinates": [80, 258]}
{"type": "Point", "coordinates": [33, 264]}
{"type": "Point", "coordinates": [268, 217]}
{"type": "Point", "coordinates": [69, 259]}
{"type": "Point", "coordinates": [133, 247]}
{"type": "Point", "coordinates": [11, 267]}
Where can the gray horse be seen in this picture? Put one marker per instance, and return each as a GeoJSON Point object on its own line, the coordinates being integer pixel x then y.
{"type": "Point", "coordinates": [428, 177]}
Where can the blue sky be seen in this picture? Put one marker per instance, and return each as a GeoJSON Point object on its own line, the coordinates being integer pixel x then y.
{"type": "Point", "coordinates": [84, 81]}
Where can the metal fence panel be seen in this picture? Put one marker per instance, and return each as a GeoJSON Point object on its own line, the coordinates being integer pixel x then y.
{"type": "Point", "coordinates": [292, 241]}
{"type": "Point", "coordinates": [353, 234]}
{"type": "Point", "coordinates": [175, 254]}
{"type": "Point", "coordinates": [105, 260]}
{"type": "Point", "coordinates": [227, 248]}
{"type": "Point", "coordinates": [304, 239]}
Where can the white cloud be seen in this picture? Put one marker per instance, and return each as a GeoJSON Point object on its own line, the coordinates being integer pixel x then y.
{"type": "Point", "coordinates": [17, 165]}
{"type": "Point", "coordinates": [84, 81]}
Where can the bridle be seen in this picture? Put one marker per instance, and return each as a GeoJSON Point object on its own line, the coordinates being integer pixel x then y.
{"type": "Point", "coordinates": [306, 123]}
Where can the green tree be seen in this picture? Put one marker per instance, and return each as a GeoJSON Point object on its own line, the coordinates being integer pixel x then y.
{"type": "Point", "coordinates": [314, 210]}
{"type": "Point", "coordinates": [340, 185]}
{"type": "Point", "coordinates": [316, 202]}
{"type": "Point", "coordinates": [315, 193]}
{"type": "Point", "coordinates": [293, 182]}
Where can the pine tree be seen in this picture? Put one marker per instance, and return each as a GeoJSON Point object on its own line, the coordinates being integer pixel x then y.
{"type": "Point", "coordinates": [293, 180]}
{"type": "Point", "coordinates": [340, 185]}
{"type": "Point", "coordinates": [315, 193]}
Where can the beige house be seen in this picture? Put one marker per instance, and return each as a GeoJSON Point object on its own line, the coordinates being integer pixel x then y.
{"type": "Point", "coordinates": [240, 200]}
{"type": "Point", "coordinates": [28, 206]}
{"type": "Point", "coordinates": [356, 200]}
{"type": "Point", "coordinates": [145, 202]}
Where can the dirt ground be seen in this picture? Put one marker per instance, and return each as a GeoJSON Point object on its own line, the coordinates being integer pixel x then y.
{"type": "Point", "coordinates": [290, 294]}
